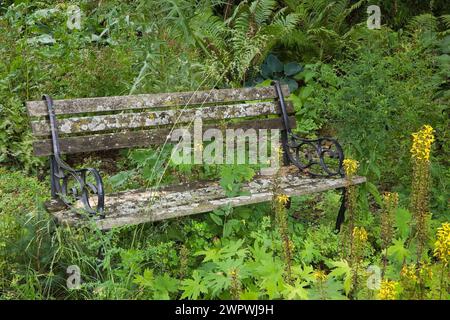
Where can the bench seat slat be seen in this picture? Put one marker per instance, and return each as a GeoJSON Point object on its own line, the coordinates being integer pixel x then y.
{"type": "Point", "coordinates": [143, 101]}
{"type": "Point", "coordinates": [132, 139]}
{"type": "Point", "coordinates": [134, 207]}
{"type": "Point", "coordinates": [156, 118]}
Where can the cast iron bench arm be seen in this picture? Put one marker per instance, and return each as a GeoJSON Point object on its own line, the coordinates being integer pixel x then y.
{"type": "Point", "coordinates": [324, 146]}
{"type": "Point", "coordinates": [61, 174]}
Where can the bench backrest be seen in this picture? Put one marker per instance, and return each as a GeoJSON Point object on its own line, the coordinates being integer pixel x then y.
{"type": "Point", "coordinates": [94, 124]}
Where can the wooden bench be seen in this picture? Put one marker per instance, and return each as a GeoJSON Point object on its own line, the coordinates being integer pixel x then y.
{"type": "Point", "coordinates": [64, 127]}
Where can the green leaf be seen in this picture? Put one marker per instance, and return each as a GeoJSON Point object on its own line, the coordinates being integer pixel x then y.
{"type": "Point", "coordinates": [292, 84]}
{"type": "Point", "coordinates": [232, 177]}
{"type": "Point", "coordinates": [309, 254]}
{"type": "Point", "coordinates": [298, 103]}
{"type": "Point", "coordinates": [229, 226]}
{"type": "Point", "coordinates": [306, 76]}
{"type": "Point", "coordinates": [292, 68]}
{"type": "Point", "coordinates": [163, 285]}
{"type": "Point", "coordinates": [146, 280]}
{"type": "Point", "coordinates": [305, 93]}
{"type": "Point", "coordinates": [149, 172]}
{"type": "Point", "coordinates": [398, 251]}
{"type": "Point", "coordinates": [305, 273]}
{"type": "Point", "coordinates": [214, 217]}
{"type": "Point", "coordinates": [266, 72]}
{"type": "Point", "coordinates": [141, 156]}
{"type": "Point", "coordinates": [233, 248]}
{"type": "Point", "coordinates": [193, 288]}
{"type": "Point", "coordinates": [249, 295]}
{"type": "Point", "coordinates": [274, 64]}
{"type": "Point", "coordinates": [373, 190]}
{"type": "Point", "coordinates": [334, 288]}
{"type": "Point", "coordinates": [342, 269]}
{"type": "Point", "coordinates": [211, 254]}
{"type": "Point", "coordinates": [297, 292]}
{"type": "Point", "coordinates": [265, 83]}
{"type": "Point", "coordinates": [218, 282]}
{"type": "Point", "coordinates": [119, 179]}
{"type": "Point", "coordinates": [270, 274]}
{"type": "Point", "coordinates": [402, 221]}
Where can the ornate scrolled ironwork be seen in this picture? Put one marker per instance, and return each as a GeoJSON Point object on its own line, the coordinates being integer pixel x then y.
{"type": "Point", "coordinates": [320, 157]}
{"type": "Point", "coordinates": [71, 185]}
{"type": "Point", "coordinates": [309, 154]}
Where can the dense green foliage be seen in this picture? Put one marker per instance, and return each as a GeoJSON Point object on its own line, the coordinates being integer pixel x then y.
{"type": "Point", "coordinates": [369, 88]}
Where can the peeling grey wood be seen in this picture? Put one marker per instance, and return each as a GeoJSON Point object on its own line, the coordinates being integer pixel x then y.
{"type": "Point", "coordinates": [135, 207]}
{"type": "Point", "coordinates": [132, 139]}
{"type": "Point", "coordinates": [156, 118]}
{"type": "Point", "coordinates": [143, 101]}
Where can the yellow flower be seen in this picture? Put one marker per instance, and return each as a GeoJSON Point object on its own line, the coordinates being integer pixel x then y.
{"type": "Point", "coordinates": [282, 199]}
{"type": "Point", "coordinates": [320, 275]}
{"type": "Point", "coordinates": [387, 290]}
{"type": "Point", "coordinates": [422, 141]}
{"type": "Point", "coordinates": [390, 197]}
{"type": "Point", "coordinates": [425, 271]}
{"type": "Point", "coordinates": [442, 244]}
{"type": "Point", "coordinates": [409, 272]}
{"type": "Point", "coordinates": [360, 234]}
{"type": "Point", "coordinates": [350, 166]}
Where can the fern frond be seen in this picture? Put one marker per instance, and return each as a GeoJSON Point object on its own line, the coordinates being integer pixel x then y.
{"type": "Point", "coordinates": [446, 20]}
{"type": "Point", "coordinates": [423, 22]}
{"type": "Point", "coordinates": [261, 10]}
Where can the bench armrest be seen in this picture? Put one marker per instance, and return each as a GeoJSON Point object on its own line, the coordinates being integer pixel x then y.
{"type": "Point", "coordinates": [71, 185]}
{"type": "Point", "coordinates": [309, 154]}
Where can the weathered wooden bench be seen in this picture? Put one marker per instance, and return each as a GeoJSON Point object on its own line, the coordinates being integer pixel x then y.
{"type": "Point", "coordinates": [95, 124]}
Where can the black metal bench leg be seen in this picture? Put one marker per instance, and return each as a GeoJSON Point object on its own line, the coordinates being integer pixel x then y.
{"type": "Point", "coordinates": [341, 215]}
{"type": "Point", "coordinates": [53, 179]}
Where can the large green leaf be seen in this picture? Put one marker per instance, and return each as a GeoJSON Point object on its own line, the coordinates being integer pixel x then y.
{"type": "Point", "coordinates": [398, 251]}
{"type": "Point", "coordinates": [214, 217]}
{"type": "Point", "coordinates": [292, 68]}
{"type": "Point", "coordinates": [292, 84]}
{"type": "Point", "coordinates": [193, 288]}
{"type": "Point", "coordinates": [342, 269]}
{"type": "Point", "coordinates": [163, 285]}
{"type": "Point", "coordinates": [402, 221]}
{"type": "Point", "coordinates": [274, 64]}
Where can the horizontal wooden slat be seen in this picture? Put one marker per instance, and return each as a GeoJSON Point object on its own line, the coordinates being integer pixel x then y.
{"type": "Point", "coordinates": [143, 101]}
{"type": "Point", "coordinates": [156, 118]}
{"type": "Point", "coordinates": [136, 206]}
{"type": "Point", "coordinates": [138, 138]}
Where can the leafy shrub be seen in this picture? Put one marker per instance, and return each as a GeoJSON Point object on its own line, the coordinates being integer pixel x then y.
{"type": "Point", "coordinates": [273, 69]}
{"type": "Point", "coordinates": [373, 102]}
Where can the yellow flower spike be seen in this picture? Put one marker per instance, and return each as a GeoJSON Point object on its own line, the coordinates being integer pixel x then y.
{"type": "Point", "coordinates": [350, 166]}
{"type": "Point", "coordinates": [360, 234]}
{"type": "Point", "coordinates": [422, 141]}
{"type": "Point", "coordinates": [409, 272]}
{"type": "Point", "coordinates": [320, 275]}
{"type": "Point", "coordinates": [282, 199]}
{"type": "Point", "coordinates": [387, 290]}
{"type": "Point", "coordinates": [442, 244]}
{"type": "Point", "coordinates": [390, 197]}
{"type": "Point", "coordinates": [425, 271]}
